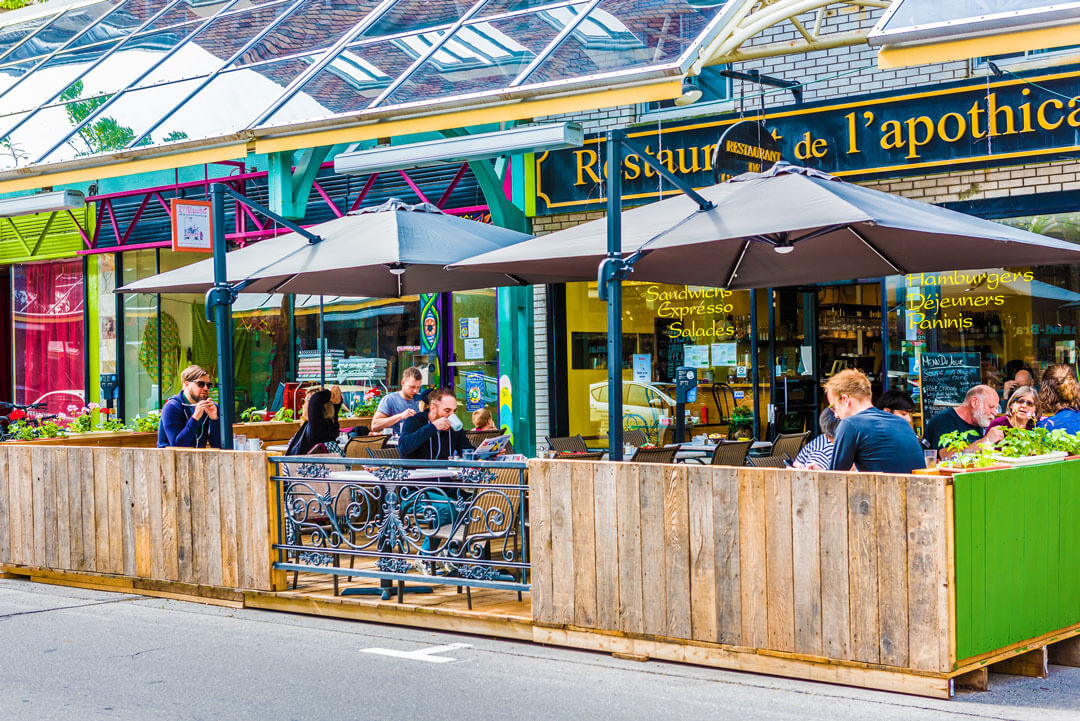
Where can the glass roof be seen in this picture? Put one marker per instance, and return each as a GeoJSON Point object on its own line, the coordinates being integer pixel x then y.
{"type": "Point", "coordinates": [926, 20]}
{"type": "Point", "coordinates": [101, 77]}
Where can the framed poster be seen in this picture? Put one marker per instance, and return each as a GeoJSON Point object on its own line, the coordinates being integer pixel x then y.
{"type": "Point", "coordinates": [192, 228]}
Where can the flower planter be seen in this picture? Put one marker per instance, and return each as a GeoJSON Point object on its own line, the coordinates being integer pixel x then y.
{"type": "Point", "coordinates": [1032, 460]}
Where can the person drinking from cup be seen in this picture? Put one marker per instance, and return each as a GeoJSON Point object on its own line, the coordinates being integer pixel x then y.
{"type": "Point", "coordinates": [437, 434]}
{"type": "Point", "coordinates": [190, 419]}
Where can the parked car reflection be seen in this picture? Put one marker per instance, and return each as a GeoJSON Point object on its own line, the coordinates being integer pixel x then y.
{"type": "Point", "coordinates": [644, 404]}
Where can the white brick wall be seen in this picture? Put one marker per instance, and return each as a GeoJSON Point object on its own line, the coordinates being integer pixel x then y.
{"type": "Point", "coordinates": [540, 363]}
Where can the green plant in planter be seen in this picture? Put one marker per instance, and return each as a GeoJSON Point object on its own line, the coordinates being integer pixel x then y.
{"type": "Point", "coordinates": [50, 429]}
{"type": "Point", "coordinates": [742, 418]}
{"type": "Point", "coordinates": [250, 415]}
{"type": "Point", "coordinates": [81, 423]}
{"type": "Point", "coordinates": [23, 431]}
{"type": "Point", "coordinates": [113, 425]}
{"type": "Point", "coordinates": [956, 443]}
{"type": "Point", "coordinates": [284, 414]}
{"type": "Point", "coordinates": [148, 424]}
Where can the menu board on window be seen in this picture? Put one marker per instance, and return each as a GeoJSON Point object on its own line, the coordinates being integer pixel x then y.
{"type": "Point", "coordinates": [669, 350]}
{"type": "Point", "coordinates": [946, 378]}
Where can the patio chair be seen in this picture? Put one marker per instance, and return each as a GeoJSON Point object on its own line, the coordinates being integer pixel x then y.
{"type": "Point", "coordinates": [665, 454]}
{"type": "Point", "coordinates": [789, 444]}
{"type": "Point", "coordinates": [383, 453]}
{"type": "Point", "coordinates": [635, 437]}
{"type": "Point", "coordinates": [773, 461]}
{"type": "Point", "coordinates": [581, 456]}
{"type": "Point", "coordinates": [478, 437]}
{"type": "Point", "coordinates": [731, 453]}
{"type": "Point", "coordinates": [359, 446]}
{"type": "Point", "coordinates": [494, 518]}
{"type": "Point", "coordinates": [568, 443]}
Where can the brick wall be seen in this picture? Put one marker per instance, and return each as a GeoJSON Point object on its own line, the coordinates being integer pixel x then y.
{"type": "Point", "coordinates": [540, 364]}
{"type": "Point", "coordinates": [986, 183]}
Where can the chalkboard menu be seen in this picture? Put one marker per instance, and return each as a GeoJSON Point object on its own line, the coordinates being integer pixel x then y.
{"type": "Point", "coordinates": [946, 379]}
{"type": "Point", "coordinates": [669, 354]}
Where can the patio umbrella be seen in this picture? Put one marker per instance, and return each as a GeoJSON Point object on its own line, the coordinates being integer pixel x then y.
{"type": "Point", "coordinates": [787, 226]}
{"type": "Point", "coordinates": [387, 251]}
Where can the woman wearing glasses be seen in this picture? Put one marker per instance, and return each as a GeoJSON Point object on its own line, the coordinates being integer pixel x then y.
{"type": "Point", "coordinates": [1019, 411]}
{"type": "Point", "coordinates": [189, 419]}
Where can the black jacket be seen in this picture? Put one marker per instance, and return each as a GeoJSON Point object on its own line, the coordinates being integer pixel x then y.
{"type": "Point", "coordinates": [420, 440]}
{"type": "Point", "coordinates": [316, 429]}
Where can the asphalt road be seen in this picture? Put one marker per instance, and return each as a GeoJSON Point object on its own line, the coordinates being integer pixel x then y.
{"type": "Point", "coordinates": [76, 654]}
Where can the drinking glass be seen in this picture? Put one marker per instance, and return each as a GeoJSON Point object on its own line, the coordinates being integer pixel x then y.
{"type": "Point", "coordinates": [931, 458]}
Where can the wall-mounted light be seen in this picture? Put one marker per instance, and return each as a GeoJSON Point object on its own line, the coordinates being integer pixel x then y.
{"type": "Point", "coordinates": [41, 203]}
{"type": "Point", "coordinates": [691, 93]}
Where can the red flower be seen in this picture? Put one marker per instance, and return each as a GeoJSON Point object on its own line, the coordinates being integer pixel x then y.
{"type": "Point", "coordinates": [16, 415]}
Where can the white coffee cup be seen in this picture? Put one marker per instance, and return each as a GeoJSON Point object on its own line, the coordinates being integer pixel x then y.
{"type": "Point", "coordinates": [254, 444]}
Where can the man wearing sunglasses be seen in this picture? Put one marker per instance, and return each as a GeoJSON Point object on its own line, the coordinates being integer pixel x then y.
{"type": "Point", "coordinates": [189, 419]}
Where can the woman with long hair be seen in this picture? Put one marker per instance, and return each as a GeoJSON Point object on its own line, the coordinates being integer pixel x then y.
{"type": "Point", "coordinates": [1020, 411]}
{"type": "Point", "coordinates": [320, 416]}
{"type": "Point", "coordinates": [1059, 399]}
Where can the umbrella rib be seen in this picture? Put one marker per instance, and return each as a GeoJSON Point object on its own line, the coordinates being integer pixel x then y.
{"type": "Point", "coordinates": [888, 261]}
{"type": "Point", "coordinates": [736, 264]}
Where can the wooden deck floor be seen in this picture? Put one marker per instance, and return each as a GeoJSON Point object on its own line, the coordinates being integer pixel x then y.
{"type": "Point", "coordinates": [494, 612]}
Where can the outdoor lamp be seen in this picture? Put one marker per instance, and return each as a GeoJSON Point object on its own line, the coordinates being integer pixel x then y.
{"type": "Point", "coordinates": [41, 203]}
{"type": "Point", "coordinates": [691, 93]}
{"type": "Point", "coordinates": [396, 268]}
{"type": "Point", "coordinates": [783, 247]}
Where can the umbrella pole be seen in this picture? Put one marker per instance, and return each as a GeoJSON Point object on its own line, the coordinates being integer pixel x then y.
{"type": "Point", "coordinates": [611, 273]}
{"type": "Point", "coordinates": [221, 297]}
{"type": "Point", "coordinates": [322, 346]}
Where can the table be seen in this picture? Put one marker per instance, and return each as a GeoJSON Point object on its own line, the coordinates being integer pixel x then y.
{"type": "Point", "coordinates": [695, 452]}
{"type": "Point", "coordinates": [384, 538]}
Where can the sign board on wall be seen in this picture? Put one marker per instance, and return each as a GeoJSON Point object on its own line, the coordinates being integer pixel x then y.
{"type": "Point", "coordinates": [192, 227]}
{"type": "Point", "coordinates": [967, 124]}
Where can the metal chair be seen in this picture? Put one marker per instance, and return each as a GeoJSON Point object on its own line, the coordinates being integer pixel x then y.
{"type": "Point", "coordinates": [731, 453]}
{"type": "Point", "coordinates": [789, 444]}
{"type": "Point", "coordinates": [665, 454]}
{"type": "Point", "coordinates": [580, 455]}
{"type": "Point", "coordinates": [478, 437]}
{"type": "Point", "coordinates": [568, 443]}
{"type": "Point", "coordinates": [383, 453]}
{"type": "Point", "coordinates": [493, 517]}
{"type": "Point", "coordinates": [358, 447]}
{"type": "Point", "coordinates": [635, 437]}
{"type": "Point", "coordinates": [767, 461]}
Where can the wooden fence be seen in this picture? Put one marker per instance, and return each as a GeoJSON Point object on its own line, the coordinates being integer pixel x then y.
{"type": "Point", "coordinates": [809, 565]}
{"type": "Point", "coordinates": [194, 517]}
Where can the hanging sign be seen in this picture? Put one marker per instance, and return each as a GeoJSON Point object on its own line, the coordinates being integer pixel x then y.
{"type": "Point", "coordinates": [192, 227]}
{"type": "Point", "coordinates": [643, 367]}
{"type": "Point", "coordinates": [745, 147]}
{"type": "Point", "coordinates": [474, 392]}
{"type": "Point", "coordinates": [429, 322]}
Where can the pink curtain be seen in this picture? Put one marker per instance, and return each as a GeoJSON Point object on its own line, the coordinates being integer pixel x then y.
{"type": "Point", "coordinates": [49, 338]}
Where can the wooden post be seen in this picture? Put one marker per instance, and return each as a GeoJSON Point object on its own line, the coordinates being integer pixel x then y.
{"type": "Point", "coordinates": [1065, 653]}
{"type": "Point", "coordinates": [1032, 663]}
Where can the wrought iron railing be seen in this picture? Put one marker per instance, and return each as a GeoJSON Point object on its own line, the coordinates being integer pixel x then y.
{"type": "Point", "coordinates": [459, 523]}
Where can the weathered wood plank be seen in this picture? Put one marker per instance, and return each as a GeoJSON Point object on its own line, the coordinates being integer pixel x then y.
{"type": "Point", "coordinates": [241, 500]}
{"type": "Point", "coordinates": [584, 535]}
{"type": "Point", "coordinates": [199, 538]}
{"type": "Point", "coordinates": [169, 514]}
{"type": "Point", "coordinates": [61, 473]}
{"type": "Point", "coordinates": [677, 551]}
{"type": "Point", "coordinates": [779, 571]}
{"type": "Point", "coordinates": [40, 475]}
{"type": "Point", "coordinates": [562, 543]}
{"type": "Point", "coordinates": [702, 553]}
{"type": "Point", "coordinates": [76, 505]}
{"type": "Point", "coordinates": [927, 572]}
{"type": "Point", "coordinates": [84, 459]}
{"type": "Point", "coordinates": [605, 517]}
{"type": "Point", "coordinates": [127, 510]}
{"type": "Point", "coordinates": [227, 479]}
{"type": "Point", "coordinates": [543, 607]}
{"type": "Point", "coordinates": [5, 516]}
{"type": "Point", "coordinates": [19, 505]}
{"type": "Point", "coordinates": [806, 561]}
{"type": "Point", "coordinates": [140, 463]}
{"type": "Point", "coordinates": [14, 526]}
{"type": "Point", "coordinates": [726, 533]}
{"type": "Point", "coordinates": [211, 532]}
{"type": "Point", "coordinates": [628, 499]}
{"type": "Point", "coordinates": [50, 497]}
{"type": "Point", "coordinates": [153, 501]}
{"type": "Point", "coordinates": [835, 595]}
{"type": "Point", "coordinates": [184, 542]}
{"type": "Point", "coordinates": [113, 473]}
{"type": "Point", "coordinates": [653, 560]}
{"type": "Point", "coordinates": [892, 570]}
{"type": "Point", "coordinates": [264, 514]}
{"type": "Point", "coordinates": [100, 460]}
{"type": "Point", "coordinates": [752, 572]}
{"type": "Point", "coordinates": [862, 568]}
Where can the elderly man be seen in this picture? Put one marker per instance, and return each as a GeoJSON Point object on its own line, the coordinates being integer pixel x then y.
{"type": "Point", "coordinates": [1020, 379]}
{"type": "Point", "coordinates": [974, 414]}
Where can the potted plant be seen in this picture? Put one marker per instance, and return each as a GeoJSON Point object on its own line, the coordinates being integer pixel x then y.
{"type": "Point", "coordinates": [251, 415]}
{"type": "Point", "coordinates": [284, 414]}
{"type": "Point", "coordinates": [741, 421]}
{"type": "Point", "coordinates": [149, 424]}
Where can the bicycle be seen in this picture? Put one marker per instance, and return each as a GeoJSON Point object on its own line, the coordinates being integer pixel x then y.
{"type": "Point", "coordinates": [8, 409]}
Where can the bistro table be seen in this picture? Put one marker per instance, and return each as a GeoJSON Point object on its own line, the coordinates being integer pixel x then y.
{"type": "Point", "coordinates": [699, 453]}
{"type": "Point", "coordinates": [386, 586]}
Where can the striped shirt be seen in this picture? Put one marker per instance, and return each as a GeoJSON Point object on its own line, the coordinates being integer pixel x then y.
{"type": "Point", "coordinates": [818, 451]}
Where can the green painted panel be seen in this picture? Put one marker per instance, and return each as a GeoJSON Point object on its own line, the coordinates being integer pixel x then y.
{"type": "Point", "coordinates": [44, 236]}
{"type": "Point", "coordinates": [1017, 555]}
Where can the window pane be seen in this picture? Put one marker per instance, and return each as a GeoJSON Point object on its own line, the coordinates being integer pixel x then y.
{"type": "Point", "coordinates": [60, 31]}
{"type": "Point", "coordinates": [11, 35]}
{"type": "Point", "coordinates": [48, 333]}
{"type": "Point", "coordinates": [481, 56]}
{"type": "Point", "coordinates": [121, 22]}
{"type": "Point", "coordinates": [260, 348]}
{"type": "Point", "coordinates": [52, 77]}
{"type": "Point", "coordinates": [475, 341]}
{"type": "Point", "coordinates": [141, 350]}
{"type": "Point", "coordinates": [498, 7]}
{"type": "Point", "coordinates": [349, 83]}
{"type": "Point", "coordinates": [621, 35]}
{"type": "Point", "coordinates": [315, 26]}
{"type": "Point", "coordinates": [408, 16]}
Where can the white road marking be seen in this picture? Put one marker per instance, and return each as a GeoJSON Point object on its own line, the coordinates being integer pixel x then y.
{"type": "Point", "coordinates": [421, 654]}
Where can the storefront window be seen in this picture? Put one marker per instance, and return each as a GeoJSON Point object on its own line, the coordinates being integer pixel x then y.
{"type": "Point", "coordinates": [476, 380]}
{"type": "Point", "coordinates": [49, 335]}
{"type": "Point", "coordinates": [950, 331]}
{"type": "Point", "coordinates": [368, 342]}
{"type": "Point", "coordinates": [144, 366]}
{"type": "Point", "coordinates": [664, 326]}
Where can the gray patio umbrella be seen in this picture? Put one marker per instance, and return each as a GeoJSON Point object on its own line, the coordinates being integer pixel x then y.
{"type": "Point", "coordinates": [387, 251]}
{"type": "Point", "coordinates": [786, 226]}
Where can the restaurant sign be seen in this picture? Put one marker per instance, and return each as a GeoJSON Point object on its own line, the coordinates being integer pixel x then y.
{"type": "Point", "coordinates": [963, 124]}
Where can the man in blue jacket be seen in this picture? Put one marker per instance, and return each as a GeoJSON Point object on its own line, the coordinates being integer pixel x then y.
{"type": "Point", "coordinates": [190, 419]}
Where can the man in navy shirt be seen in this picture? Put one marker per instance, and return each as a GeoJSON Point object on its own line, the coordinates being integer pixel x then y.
{"type": "Point", "coordinates": [869, 439]}
{"type": "Point", "coordinates": [190, 419]}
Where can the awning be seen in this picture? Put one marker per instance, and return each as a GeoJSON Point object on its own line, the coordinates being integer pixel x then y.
{"type": "Point", "coordinates": [918, 32]}
{"type": "Point", "coordinates": [116, 87]}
